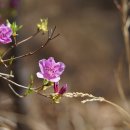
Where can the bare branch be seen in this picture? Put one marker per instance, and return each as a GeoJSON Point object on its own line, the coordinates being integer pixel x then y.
{"type": "Point", "coordinates": [21, 96]}
{"type": "Point", "coordinates": [33, 52]}
{"type": "Point", "coordinates": [19, 43]}
{"type": "Point", "coordinates": [7, 75]}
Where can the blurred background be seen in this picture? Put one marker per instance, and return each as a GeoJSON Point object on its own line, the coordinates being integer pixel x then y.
{"type": "Point", "coordinates": [90, 44]}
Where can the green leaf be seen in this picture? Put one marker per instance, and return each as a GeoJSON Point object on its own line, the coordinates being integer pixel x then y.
{"type": "Point", "coordinates": [11, 60]}
{"type": "Point", "coordinates": [14, 27]}
{"type": "Point", "coordinates": [28, 91]}
{"type": "Point", "coordinates": [43, 25]}
{"type": "Point", "coordinates": [30, 86]}
{"type": "Point", "coordinates": [47, 84]}
{"type": "Point", "coordinates": [56, 98]}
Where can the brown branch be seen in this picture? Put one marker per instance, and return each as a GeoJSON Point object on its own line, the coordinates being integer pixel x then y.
{"type": "Point", "coordinates": [29, 53]}
{"type": "Point", "coordinates": [20, 96]}
{"type": "Point", "coordinates": [50, 37]}
{"type": "Point", "coordinates": [118, 6]}
{"type": "Point", "coordinates": [19, 43]}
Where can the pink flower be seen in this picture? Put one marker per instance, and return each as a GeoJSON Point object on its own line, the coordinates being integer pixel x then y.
{"type": "Point", "coordinates": [50, 70]}
{"type": "Point", "coordinates": [62, 90]}
{"type": "Point", "coordinates": [5, 34]}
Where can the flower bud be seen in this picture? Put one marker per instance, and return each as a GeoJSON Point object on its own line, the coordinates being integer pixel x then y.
{"type": "Point", "coordinates": [56, 87]}
{"type": "Point", "coordinates": [63, 89]}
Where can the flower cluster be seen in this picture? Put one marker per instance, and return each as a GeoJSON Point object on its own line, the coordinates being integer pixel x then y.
{"type": "Point", "coordinates": [50, 70]}
{"type": "Point", "coordinates": [5, 34]}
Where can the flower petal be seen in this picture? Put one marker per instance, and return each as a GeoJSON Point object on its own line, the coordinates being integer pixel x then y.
{"type": "Point", "coordinates": [39, 75]}
{"type": "Point", "coordinates": [50, 62]}
{"type": "Point", "coordinates": [62, 66]}
{"type": "Point", "coordinates": [59, 68]}
{"type": "Point", "coordinates": [5, 34]}
{"type": "Point", "coordinates": [7, 40]}
{"type": "Point", "coordinates": [55, 79]}
{"type": "Point", "coordinates": [41, 65]}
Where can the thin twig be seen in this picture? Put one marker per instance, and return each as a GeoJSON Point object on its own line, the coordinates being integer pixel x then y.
{"type": "Point", "coordinates": [29, 53]}
{"type": "Point", "coordinates": [118, 6]}
{"type": "Point", "coordinates": [15, 41]}
{"type": "Point", "coordinates": [12, 82]}
{"type": "Point", "coordinates": [119, 108]}
{"type": "Point", "coordinates": [125, 28]}
{"type": "Point", "coordinates": [51, 32]}
{"type": "Point", "coordinates": [19, 85]}
{"type": "Point", "coordinates": [1, 61]}
{"type": "Point", "coordinates": [21, 96]}
{"type": "Point", "coordinates": [119, 84]}
{"type": "Point", "coordinates": [7, 75]}
{"type": "Point", "coordinates": [33, 52]}
{"type": "Point", "coordinates": [44, 95]}
{"type": "Point", "coordinates": [17, 44]}
{"type": "Point", "coordinates": [4, 120]}
{"type": "Point", "coordinates": [55, 36]}
{"type": "Point", "coordinates": [92, 98]}
{"type": "Point", "coordinates": [123, 8]}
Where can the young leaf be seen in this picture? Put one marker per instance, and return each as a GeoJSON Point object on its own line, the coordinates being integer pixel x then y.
{"type": "Point", "coordinates": [30, 86]}
{"type": "Point", "coordinates": [43, 25]}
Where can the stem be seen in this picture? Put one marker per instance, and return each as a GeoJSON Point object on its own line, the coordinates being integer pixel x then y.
{"type": "Point", "coordinates": [44, 95]}
{"type": "Point", "coordinates": [21, 96]}
{"type": "Point", "coordinates": [17, 44]}
{"type": "Point", "coordinates": [92, 98]}
{"type": "Point", "coordinates": [127, 47]}
{"type": "Point", "coordinates": [32, 36]}
{"type": "Point", "coordinates": [12, 82]}
{"type": "Point", "coordinates": [119, 108]}
{"type": "Point", "coordinates": [31, 53]}
{"type": "Point", "coordinates": [1, 61]}
{"type": "Point", "coordinates": [125, 27]}
{"type": "Point", "coordinates": [117, 74]}
{"type": "Point", "coordinates": [7, 75]}
{"type": "Point", "coordinates": [16, 84]}
{"type": "Point", "coordinates": [15, 41]}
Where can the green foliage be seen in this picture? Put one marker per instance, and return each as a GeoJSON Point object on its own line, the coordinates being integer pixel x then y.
{"type": "Point", "coordinates": [14, 27]}
{"type": "Point", "coordinates": [11, 60]}
{"type": "Point", "coordinates": [47, 84]}
{"type": "Point", "coordinates": [56, 98]}
{"type": "Point", "coordinates": [43, 25]}
{"type": "Point", "coordinates": [30, 86]}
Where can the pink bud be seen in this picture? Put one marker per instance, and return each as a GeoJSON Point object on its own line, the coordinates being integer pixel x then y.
{"type": "Point", "coordinates": [63, 89]}
{"type": "Point", "coordinates": [56, 87]}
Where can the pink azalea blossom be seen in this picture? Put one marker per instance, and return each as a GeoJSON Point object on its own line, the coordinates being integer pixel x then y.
{"type": "Point", "coordinates": [5, 34]}
{"type": "Point", "coordinates": [50, 70]}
